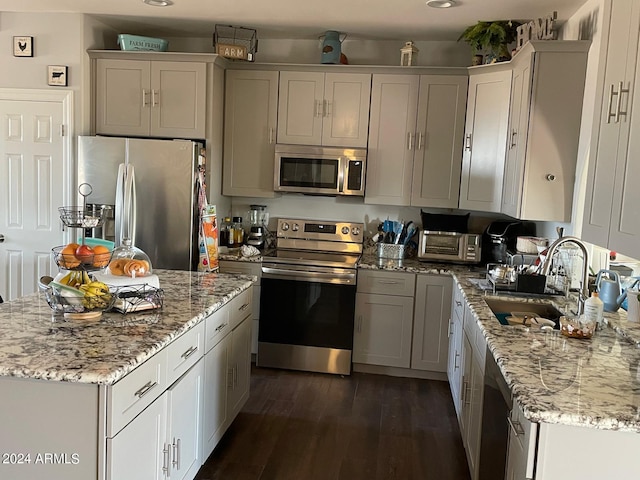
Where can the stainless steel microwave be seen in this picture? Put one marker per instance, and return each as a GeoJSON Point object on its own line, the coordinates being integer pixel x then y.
{"type": "Point", "coordinates": [319, 170]}
{"type": "Point", "coordinates": [449, 247]}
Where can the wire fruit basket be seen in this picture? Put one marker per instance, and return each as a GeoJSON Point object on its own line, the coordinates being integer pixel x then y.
{"type": "Point", "coordinates": [138, 298]}
{"type": "Point", "coordinates": [77, 306]}
{"type": "Point", "coordinates": [91, 261]}
{"type": "Point", "coordinates": [79, 216]}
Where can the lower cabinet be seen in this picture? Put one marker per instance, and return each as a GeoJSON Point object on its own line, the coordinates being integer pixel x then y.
{"type": "Point", "coordinates": [454, 364]}
{"type": "Point", "coordinates": [401, 320]}
{"type": "Point", "coordinates": [163, 441]}
{"type": "Point", "coordinates": [522, 445]}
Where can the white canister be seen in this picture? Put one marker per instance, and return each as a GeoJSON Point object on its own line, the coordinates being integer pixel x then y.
{"type": "Point", "coordinates": [633, 308]}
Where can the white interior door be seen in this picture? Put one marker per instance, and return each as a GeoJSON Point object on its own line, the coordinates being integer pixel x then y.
{"type": "Point", "coordinates": [33, 171]}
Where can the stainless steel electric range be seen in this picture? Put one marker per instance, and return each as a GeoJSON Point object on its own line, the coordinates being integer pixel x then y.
{"type": "Point", "coordinates": [308, 295]}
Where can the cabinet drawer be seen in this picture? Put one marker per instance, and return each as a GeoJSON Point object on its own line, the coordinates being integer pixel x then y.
{"type": "Point", "coordinates": [184, 352]}
{"type": "Point", "coordinates": [216, 327]}
{"type": "Point", "coordinates": [240, 308]}
{"type": "Point", "coordinates": [386, 283]}
{"type": "Point", "coordinates": [242, 268]}
{"type": "Point", "coordinates": [457, 306]}
{"type": "Point", "coordinates": [476, 338]}
{"type": "Point", "coordinates": [130, 395]}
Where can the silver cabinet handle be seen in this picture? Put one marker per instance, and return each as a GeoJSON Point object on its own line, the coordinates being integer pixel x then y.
{"type": "Point", "coordinates": [230, 377]}
{"type": "Point", "coordinates": [449, 332]}
{"type": "Point", "coordinates": [243, 307]}
{"type": "Point", "coordinates": [550, 177]}
{"type": "Point", "coordinates": [220, 327]}
{"type": "Point", "coordinates": [619, 111]}
{"type": "Point", "coordinates": [458, 303]}
{"type": "Point", "coordinates": [329, 110]}
{"type": "Point", "coordinates": [176, 453]}
{"type": "Point", "coordinates": [516, 427]}
{"type": "Point", "coordinates": [189, 352]}
{"type": "Point", "coordinates": [145, 97]}
{"type": "Point", "coordinates": [389, 282]}
{"type": "Point", "coordinates": [514, 134]}
{"type": "Point", "coordinates": [318, 110]}
{"type": "Point", "coordinates": [467, 141]}
{"type": "Point", "coordinates": [1, 238]}
{"type": "Point", "coordinates": [410, 141]}
{"type": "Point", "coordinates": [146, 388]}
{"type": "Point", "coordinates": [166, 459]}
{"type": "Point", "coordinates": [271, 129]}
{"type": "Point", "coordinates": [420, 140]}
{"type": "Point", "coordinates": [155, 98]}
{"type": "Point", "coordinates": [611, 114]}
{"type": "Point", "coordinates": [455, 361]}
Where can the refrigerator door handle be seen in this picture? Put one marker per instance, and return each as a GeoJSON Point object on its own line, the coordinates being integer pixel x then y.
{"type": "Point", "coordinates": [127, 232]}
{"type": "Point", "coordinates": [120, 207]}
{"type": "Point", "coordinates": [133, 206]}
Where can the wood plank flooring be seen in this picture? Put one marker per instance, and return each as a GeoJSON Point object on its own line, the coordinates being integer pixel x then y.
{"type": "Point", "coordinates": [307, 426]}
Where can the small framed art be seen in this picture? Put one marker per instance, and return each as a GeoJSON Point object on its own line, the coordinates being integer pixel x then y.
{"type": "Point", "coordinates": [23, 46]}
{"type": "Point", "coordinates": [57, 75]}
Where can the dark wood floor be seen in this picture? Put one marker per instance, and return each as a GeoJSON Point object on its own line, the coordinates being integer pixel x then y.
{"type": "Point", "coordinates": [306, 426]}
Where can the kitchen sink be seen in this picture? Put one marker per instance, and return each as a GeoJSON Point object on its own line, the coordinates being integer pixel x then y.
{"type": "Point", "coordinates": [506, 308]}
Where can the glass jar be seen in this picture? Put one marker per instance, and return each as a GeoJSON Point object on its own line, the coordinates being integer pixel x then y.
{"type": "Point", "coordinates": [236, 233]}
{"type": "Point", "coordinates": [224, 232]}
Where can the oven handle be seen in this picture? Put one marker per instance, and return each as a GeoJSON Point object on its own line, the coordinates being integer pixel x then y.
{"type": "Point", "coordinates": [348, 278]}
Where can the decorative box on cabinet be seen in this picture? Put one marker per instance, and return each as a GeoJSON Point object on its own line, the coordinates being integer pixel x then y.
{"type": "Point", "coordinates": [251, 102]}
{"type": "Point", "coordinates": [150, 98]}
{"type": "Point", "coordinates": [415, 140]}
{"type": "Point", "coordinates": [610, 214]}
{"type": "Point", "coordinates": [329, 109]}
{"type": "Point", "coordinates": [544, 126]}
{"type": "Point", "coordinates": [485, 137]}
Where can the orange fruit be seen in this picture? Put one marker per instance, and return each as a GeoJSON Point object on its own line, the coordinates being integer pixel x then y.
{"type": "Point", "coordinates": [67, 256]}
{"type": "Point", "coordinates": [101, 256]}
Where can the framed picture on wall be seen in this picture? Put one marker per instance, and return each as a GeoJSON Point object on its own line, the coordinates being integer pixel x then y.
{"type": "Point", "coordinates": [57, 75]}
{"type": "Point", "coordinates": [23, 46]}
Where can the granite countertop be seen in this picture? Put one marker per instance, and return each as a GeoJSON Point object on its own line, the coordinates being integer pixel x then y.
{"type": "Point", "coordinates": [35, 344]}
{"type": "Point", "coordinates": [590, 383]}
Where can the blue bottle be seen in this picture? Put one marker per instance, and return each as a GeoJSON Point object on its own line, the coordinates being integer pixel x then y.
{"type": "Point", "coordinates": [331, 47]}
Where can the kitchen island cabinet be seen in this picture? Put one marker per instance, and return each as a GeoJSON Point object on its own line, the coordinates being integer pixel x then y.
{"type": "Point", "coordinates": [122, 387]}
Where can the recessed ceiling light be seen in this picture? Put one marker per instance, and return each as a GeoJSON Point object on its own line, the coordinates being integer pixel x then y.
{"type": "Point", "coordinates": [158, 3]}
{"type": "Point", "coordinates": [441, 3]}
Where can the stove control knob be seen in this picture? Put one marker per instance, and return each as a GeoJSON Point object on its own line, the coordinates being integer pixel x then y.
{"type": "Point", "coordinates": [345, 230]}
{"type": "Point", "coordinates": [285, 227]}
{"type": "Point", "coordinates": [295, 227]}
{"type": "Point", "coordinates": [355, 231]}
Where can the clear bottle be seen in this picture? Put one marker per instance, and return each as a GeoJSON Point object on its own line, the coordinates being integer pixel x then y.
{"type": "Point", "coordinates": [224, 232]}
{"type": "Point", "coordinates": [237, 232]}
{"type": "Point", "coordinates": [594, 310]}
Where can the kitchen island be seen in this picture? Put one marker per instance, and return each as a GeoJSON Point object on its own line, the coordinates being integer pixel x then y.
{"type": "Point", "coordinates": [584, 395]}
{"type": "Point", "coordinates": [68, 389]}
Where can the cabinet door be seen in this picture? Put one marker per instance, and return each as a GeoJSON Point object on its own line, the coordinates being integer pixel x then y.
{"type": "Point", "coordinates": [123, 97]}
{"type": "Point", "coordinates": [300, 108]}
{"type": "Point", "coordinates": [485, 141]}
{"type": "Point", "coordinates": [346, 109]}
{"type": "Point", "coordinates": [250, 118]}
{"type": "Point", "coordinates": [216, 363]}
{"type": "Point", "coordinates": [383, 330]}
{"type": "Point", "coordinates": [473, 403]}
{"type": "Point", "coordinates": [184, 408]}
{"type": "Point", "coordinates": [465, 411]}
{"type": "Point", "coordinates": [516, 143]}
{"type": "Point", "coordinates": [431, 316]}
{"type": "Point", "coordinates": [454, 365]}
{"type": "Point", "coordinates": [438, 150]}
{"type": "Point", "coordinates": [394, 100]}
{"type": "Point", "coordinates": [178, 99]}
{"type": "Point", "coordinates": [139, 451]}
{"type": "Point", "coordinates": [239, 369]}
{"type": "Point", "coordinates": [522, 446]}
{"type": "Point", "coordinates": [612, 130]}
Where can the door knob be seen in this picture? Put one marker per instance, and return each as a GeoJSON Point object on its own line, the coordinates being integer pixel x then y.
{"type": "Point", "coordinates": [1, 238]}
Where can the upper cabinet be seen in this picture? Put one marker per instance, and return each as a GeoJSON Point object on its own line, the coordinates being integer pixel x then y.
{"type": "Point", "coordinates": [485, 137]}
{"type": "Point", "coordinates": [150, 98]}
{"type": "Point", "coordinates": [610, 219]}
{"type": "Point", "coordinates": [250, 115]}
{"type": "Point", "coordinates": [329, 109]}
{"type": "Point", "coordinates": [547, 92]}
{"type": "Point", "coordinates": [415, 140]}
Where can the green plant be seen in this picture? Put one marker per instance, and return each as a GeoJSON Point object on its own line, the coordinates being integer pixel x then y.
{"type": "Point", "coordinates": [494, 36]}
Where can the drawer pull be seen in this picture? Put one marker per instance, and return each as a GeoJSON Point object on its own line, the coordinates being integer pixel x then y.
{"type": "Point", "coordinates": [189, 352]}
{"type": "Point", "coordinates": [145, 389]}
{"type": "Point", "coordinates": [166, 458]}
{"type": "Point", "coordinates": [243, 307]}
{"type": "Point", "coordinates": [220, 327]}
{"type": "Point", "coordinates": [516, 427]}
{"type": "Point", "coordinates": [176, 454]}
{"type": "Point", "coordinates": [389, 282]}
{"type": "Point", "coordinates": [458, 303]}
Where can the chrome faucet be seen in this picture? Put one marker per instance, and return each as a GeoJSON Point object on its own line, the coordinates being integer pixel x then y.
{"type": "Point", "coordinates": [583, 293]}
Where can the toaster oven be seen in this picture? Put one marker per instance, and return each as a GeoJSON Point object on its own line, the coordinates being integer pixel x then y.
{"type": "Point", "coordinates": [449, 247]}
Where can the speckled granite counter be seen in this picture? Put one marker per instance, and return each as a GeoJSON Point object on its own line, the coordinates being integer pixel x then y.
{"type": "Point", "coordinates": [592, 383]}
{"type": "Point", "coordinates": [35, 345]}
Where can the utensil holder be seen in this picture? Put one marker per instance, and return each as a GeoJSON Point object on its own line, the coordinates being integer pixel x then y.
{"type": "Point", "coordinates": [391, 250]}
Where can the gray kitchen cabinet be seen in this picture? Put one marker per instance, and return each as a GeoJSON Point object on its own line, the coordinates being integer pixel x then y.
{"type": "Point", "coordinates": [432, 310]}
{"type": "Point", "coordinates": [248, 268]}
{"type": "Point", "coordinates": [454, 363]}
{"type": "Point", "coordinates": [415, 140]}
{"type": "Point", "coordinates": [521, 447]}
{"type": "Point", "coordinates": [544, 125]}
{"type": "Point", "coordinates": [383, 318]}
{"type": "Point", "coordinates": [150, 98]}
{"type": "Point", "coordinates": [485, 138]}
{"type": "Point", "coordinates": [612, 197]}
{"type": "Point", "coordinates": [250, 120]}
{"type": "Point", "coordinates": [472, 391]}
{"type": "Point", "coordinates": [239, 368]}
{"type": "Point", "coordinates": [328, 109]}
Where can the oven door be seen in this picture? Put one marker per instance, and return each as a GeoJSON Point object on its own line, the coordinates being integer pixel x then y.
{"type": "Point", "coordinates": [306, 318]}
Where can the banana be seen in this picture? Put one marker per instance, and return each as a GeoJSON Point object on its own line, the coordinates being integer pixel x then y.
{"type": "Point", "coordinates": [66, 279]}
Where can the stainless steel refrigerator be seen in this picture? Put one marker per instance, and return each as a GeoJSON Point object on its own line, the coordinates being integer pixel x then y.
{"type": "Point", "coordinates": [152, 189]}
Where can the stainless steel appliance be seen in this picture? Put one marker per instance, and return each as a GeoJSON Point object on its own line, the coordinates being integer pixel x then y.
{"type": "Point", "coordinates": [152, 187]}
{"type": "Point", "coordinates": [449, 247]}
{"type": "Point", "coordinates": [319, 170]}
{"type": "Point", "coordinates": [308, 295]}
{"type": "Point", "coordinates": [258, 219]}
{"type": "Point", "coordinates": [500, 238]}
